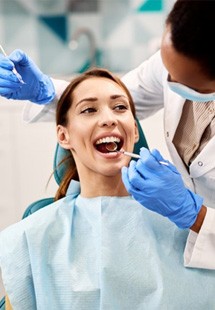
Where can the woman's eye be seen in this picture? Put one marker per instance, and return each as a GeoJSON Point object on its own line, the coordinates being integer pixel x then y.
{"type": "Point", "coordinates": [121, 107]}
{"type": "Point", "coordinates": [88, 110]}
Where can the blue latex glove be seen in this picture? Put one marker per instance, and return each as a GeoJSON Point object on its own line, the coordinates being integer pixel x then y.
{"type": "Point", "coordinates": [37, 87]}
{"type": "Point", "coordinates": [160, 188]}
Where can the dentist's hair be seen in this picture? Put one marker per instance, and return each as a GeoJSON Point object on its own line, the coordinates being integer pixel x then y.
{"type": "Point", "coordinates": [63, 107]}
{"type": "Point", "coordinates": [192, 31]}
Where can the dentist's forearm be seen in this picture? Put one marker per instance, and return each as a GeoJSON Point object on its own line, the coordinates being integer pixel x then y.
{"type": "Point", "coordinates": [199, 220]}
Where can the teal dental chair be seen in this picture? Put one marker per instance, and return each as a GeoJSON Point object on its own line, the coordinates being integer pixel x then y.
{"type": "Point", "coordinates": [59, 167]}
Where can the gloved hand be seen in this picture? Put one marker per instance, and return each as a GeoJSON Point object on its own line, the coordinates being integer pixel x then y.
{"type": "Point", "coordinates": [160, 188]}
{"type": "Point", "coordinates": [37, 87]}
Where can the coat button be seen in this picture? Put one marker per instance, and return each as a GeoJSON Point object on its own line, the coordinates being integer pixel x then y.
{"type": "Point", "coordinates": [200, 163]}
{"type": "Point", "coordinates": [167, 134]}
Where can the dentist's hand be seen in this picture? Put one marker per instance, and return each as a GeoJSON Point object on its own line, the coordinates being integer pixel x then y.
{"type": "Point", "coordinates": [160, 188]}
{"type": "Point", "coordinates": [37, 87]}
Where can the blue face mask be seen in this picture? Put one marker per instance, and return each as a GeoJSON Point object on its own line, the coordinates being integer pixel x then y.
{"type": "Point", "coordinates": [190, 94]}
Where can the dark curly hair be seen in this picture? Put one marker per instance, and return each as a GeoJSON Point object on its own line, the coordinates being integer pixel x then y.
{"type": "Point", "coordinates": [192, 31]}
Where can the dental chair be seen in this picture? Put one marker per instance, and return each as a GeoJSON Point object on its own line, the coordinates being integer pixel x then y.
{"type": "Point", "coordinates": [59, 168]}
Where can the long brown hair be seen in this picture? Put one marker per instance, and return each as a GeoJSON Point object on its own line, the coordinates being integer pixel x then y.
{"type": "Point", "coordinates": [63, 107]}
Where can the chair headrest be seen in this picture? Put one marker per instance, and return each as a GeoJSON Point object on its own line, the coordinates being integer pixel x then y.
{"type": "Point", "coordinates": [60, 167]}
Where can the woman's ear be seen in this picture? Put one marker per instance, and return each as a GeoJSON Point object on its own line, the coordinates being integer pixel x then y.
{"type": "Point", "coordinates": [136, 134]}
{"type": "Point", "coordinates": [63, 137]}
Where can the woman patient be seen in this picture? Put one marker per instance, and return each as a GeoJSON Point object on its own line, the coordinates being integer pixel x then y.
{"type": "Point", "coordinates": [96, 247]}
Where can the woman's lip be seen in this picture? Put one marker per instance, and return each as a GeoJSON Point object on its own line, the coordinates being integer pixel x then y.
{"type": "Point", "coordinates": [109, 154]}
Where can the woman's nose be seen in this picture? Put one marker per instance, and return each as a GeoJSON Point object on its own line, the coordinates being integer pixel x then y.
{"type": "Point", "coordinates": [107, 119]}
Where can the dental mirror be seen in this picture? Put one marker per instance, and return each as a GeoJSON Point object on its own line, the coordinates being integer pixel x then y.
{"type": "Point", "coordinates": [111, 146]}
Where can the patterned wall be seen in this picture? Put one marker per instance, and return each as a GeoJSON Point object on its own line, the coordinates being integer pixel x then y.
{"type": "Point", "coordinates": [125, 31]}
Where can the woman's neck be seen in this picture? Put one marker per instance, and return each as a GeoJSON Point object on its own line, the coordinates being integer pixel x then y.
{"type": "Point", "coordinates": [103, 186]}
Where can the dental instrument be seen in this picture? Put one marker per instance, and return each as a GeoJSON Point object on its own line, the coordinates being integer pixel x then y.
{"type": "Point", "coordinates": [112, 147]}
{"type": "Point", "coordinates": [14, 69]}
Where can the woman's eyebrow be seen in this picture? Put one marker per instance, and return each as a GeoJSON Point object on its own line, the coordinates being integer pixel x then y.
{"type": "Point", "coordinates": [118, 96]}
{"type": "Point", "coordinates": [91, 99]}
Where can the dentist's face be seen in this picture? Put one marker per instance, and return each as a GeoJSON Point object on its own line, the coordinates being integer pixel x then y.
{"type": "Point", "coordinates": [100, 113]}
{"type": "Point", "coordinates": [184, 70]}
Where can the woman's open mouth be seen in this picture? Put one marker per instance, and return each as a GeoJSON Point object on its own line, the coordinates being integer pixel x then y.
{"type": "Point", "coordinates": [109, 144]}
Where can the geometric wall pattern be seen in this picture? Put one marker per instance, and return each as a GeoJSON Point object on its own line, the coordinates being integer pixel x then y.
{"type": "Point", "coordinates": [151, 6]}
{"type": "Point", "coordinates": [124, 32]}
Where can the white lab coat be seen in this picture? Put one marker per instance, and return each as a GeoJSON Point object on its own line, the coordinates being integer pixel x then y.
{"type": "Point", "coordinates": [148, 86]}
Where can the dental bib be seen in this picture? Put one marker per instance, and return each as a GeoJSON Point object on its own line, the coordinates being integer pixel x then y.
{"type": "Point", "coordinates": [103, 253]}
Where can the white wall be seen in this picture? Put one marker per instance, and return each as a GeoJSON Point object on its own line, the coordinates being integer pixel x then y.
{"type": "Point", "coordinates": [26, 157]}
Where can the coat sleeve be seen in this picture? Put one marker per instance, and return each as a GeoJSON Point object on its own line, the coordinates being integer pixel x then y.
{"type": "Point", "coordinates": [200, 248]}
{"type": "Point", "coordinates": [44, 112]}
{"type": "Point", "coordinates": [145, 84]}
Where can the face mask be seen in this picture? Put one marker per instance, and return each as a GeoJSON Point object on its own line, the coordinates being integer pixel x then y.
{"type": "Point", "coordinates": [190, 94]}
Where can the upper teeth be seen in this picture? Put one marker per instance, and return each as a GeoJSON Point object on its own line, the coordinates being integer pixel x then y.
{"type": "Point", "coordinates": [107, 140]}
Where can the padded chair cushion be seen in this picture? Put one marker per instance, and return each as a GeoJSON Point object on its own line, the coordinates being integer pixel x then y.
{"type": "Point", "coordinates": [2, 304]}
{"type": "Point", "coordinates": [39, 204]}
